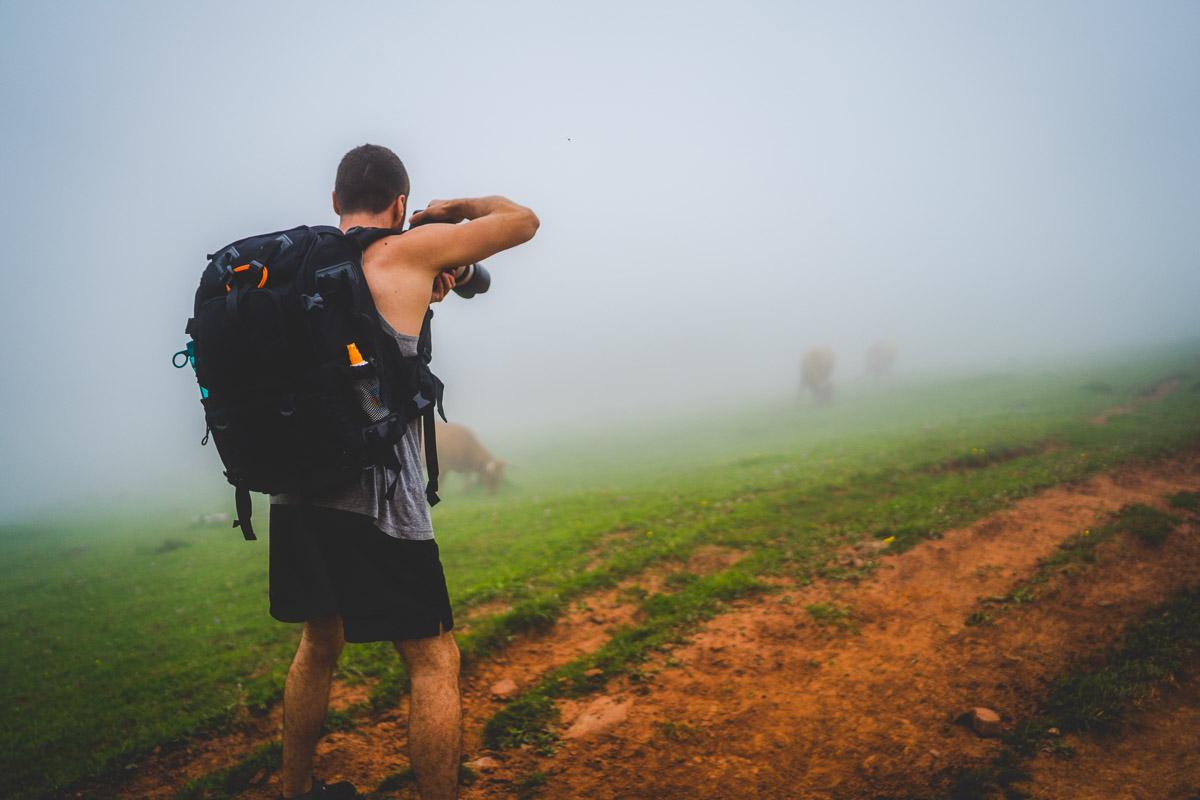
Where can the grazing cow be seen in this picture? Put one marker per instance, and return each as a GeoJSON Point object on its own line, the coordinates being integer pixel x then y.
{"type": "Point", "coordinates": [816, 368]}
{"type": "Point", "coordinates": [880, 358]}
{"type": "Point", "coordinates": [459, 450]}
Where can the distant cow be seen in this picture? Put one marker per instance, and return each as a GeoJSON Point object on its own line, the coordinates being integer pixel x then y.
{"type": "Point", "coordinates": [880, 358]}
{"type": "Point", "coordinates": [459, 450]}
{"type": "Point", "coordinates": [816, 369]}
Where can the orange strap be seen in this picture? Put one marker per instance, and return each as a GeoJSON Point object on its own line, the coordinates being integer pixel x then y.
{"type": "Point", "coordinates": [261, 283]}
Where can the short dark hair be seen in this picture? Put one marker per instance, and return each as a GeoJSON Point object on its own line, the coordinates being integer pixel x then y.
{"type": "Point", "coordinates": [369, 179]}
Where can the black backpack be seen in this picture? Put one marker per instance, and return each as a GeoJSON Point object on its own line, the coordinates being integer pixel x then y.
{"type": "Point", "coordinates": [280, 321]}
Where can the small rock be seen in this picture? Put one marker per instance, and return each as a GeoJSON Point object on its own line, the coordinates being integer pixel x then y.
{"type": "Point", "coordinates": [594, 672]}
{"type": "Point", "coordinates": [602, 715]}
{"type": "Point", "coordinates": [504, 689]}
{"type": "Point", "coordinates": [1053, 732]}
{"type": "Point", "coordinates": [485, 764]}
{"type": "Point", "coordinates": [984, 722]}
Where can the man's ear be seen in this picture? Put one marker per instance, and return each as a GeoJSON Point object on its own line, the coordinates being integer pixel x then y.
{"type": "Point", "coordinates": [337, 207]}
{"type": "Point", "coordinates": [400, 207]}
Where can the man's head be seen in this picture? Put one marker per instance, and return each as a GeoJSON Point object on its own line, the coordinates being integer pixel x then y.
{"type": "Point", "coordinates": [371, 181]}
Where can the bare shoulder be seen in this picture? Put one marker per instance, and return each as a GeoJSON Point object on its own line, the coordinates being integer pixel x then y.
{"type": "Point", "coordinates": [404, 251]}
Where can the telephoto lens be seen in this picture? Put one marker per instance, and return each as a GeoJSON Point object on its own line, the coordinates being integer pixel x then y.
{"type": "Point", "coordinates": [475, 280]}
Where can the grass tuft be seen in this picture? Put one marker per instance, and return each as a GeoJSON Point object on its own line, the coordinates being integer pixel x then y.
{"type": "Point", "coordinates": [393, 783]}
{"type": "Point", "coordinates": [531, 784]}
{"type": "Point", "coordinates": [1188, 501]}
{"type": "Point", "coordinates": [829, 614]}
{"type": "Point", "coordinates": [1148, 525]}
{"type": "Point", "coordinates": [344, 719]}
{"type": "Point", "coordinates": [526, 720]}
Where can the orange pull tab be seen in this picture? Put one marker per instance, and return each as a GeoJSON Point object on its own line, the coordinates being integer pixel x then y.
{"type": "Point", "coordinates": [356, 359]}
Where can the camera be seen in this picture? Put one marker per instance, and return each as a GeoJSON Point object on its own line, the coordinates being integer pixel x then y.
{"type": "Point", "coordinates": [475, 279]}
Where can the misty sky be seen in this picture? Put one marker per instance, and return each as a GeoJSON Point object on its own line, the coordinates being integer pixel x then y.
{"type": "Point", "coordinates": [721, 186]}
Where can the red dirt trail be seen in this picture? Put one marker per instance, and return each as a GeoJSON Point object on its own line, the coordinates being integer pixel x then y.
{"type": "Point", "coordinates": [1160, 390]}
{"type": "Point", "coordinates": [766, 702]}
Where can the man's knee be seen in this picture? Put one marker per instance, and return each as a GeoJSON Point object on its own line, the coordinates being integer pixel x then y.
{"type": "Point", "coordinates": [435, 656]}
{"type": "Point", "coordinates": [323, 639]}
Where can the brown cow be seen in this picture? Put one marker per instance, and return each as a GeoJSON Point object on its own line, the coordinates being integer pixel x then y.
{"type": "Point", "coordinates": [816, 369]}
{"type": "Point", "coordinates": [459, 450]}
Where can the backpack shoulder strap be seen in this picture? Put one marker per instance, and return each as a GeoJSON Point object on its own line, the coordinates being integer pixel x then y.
{"type": "Point", "coordinates": [365, 237]}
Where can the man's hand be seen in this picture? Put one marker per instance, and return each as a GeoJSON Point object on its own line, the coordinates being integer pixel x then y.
{"type": "Point", "coordinates": [443, 284]}
{"type": "Point", "coordinates": [450, 211]}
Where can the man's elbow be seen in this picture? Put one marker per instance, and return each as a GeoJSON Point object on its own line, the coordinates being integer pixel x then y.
{"type": "Point", "coordinates": [528, 225]}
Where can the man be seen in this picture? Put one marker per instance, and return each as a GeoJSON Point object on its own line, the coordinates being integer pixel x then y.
{"type": "Point", "coordinates": [352, 565]}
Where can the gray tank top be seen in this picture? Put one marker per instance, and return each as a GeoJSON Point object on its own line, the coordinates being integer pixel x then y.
{"type": "Point", "coordinates": [406, 515]}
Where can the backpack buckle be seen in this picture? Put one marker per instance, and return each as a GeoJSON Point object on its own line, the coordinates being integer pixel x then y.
{"type": "Point", "coordinates": [244, 270]}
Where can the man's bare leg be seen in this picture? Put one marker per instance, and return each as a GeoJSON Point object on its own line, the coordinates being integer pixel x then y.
{"type": "Point", "coordinates": [435, 714]}
{"type": "Point", "coordinates": [306, 699]}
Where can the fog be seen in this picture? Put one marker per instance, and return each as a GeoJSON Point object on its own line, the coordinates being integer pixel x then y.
{"type": "Point", "coordinates": [720, 188]}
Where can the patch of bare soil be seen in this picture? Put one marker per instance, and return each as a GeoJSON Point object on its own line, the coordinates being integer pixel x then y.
{"type": "Point", "coordinates": [771, 700]}
{"type": "Point", "coordinates": [1153, 756]}
{"type": "Point", "coordinates": [1160, 390]}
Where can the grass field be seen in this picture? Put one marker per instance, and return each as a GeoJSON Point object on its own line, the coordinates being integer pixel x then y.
{"type": "Point", "coordinates": [127, 634]}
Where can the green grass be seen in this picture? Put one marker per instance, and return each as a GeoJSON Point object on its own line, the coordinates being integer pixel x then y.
{"type": "Point", "coordinates": [530, 785]}
{"type": "Point", "coordinates": [835, 616]}
{"type": "Point", "coordinates": [125, 634]}
{"type": "Point", "coordinates": [1186, 501]}
{"type": "Point", "coordinates": [1147, 524]}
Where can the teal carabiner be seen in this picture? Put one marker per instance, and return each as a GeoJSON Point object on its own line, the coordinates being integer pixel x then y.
{"type": "Point", "coordinates": [189, 357]}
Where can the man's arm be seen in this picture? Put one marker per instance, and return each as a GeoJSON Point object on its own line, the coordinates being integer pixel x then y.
{"type": "Point", "coordinates": [493, 224]}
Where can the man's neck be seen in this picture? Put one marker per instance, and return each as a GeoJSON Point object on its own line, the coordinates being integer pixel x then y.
{"type": "Point", "coordinates": [349, 221]}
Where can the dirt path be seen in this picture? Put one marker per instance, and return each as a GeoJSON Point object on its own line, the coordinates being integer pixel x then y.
{"type": "Point", "coordinates": [1160, 390]}
{"type": "Point", "coordinates": [767, 702]}
{"type": "Point", "coordinates": [1154, 757]}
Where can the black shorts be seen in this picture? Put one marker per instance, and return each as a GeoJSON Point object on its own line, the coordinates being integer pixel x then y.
{"type": "Point", "coordinates": [325, 562]}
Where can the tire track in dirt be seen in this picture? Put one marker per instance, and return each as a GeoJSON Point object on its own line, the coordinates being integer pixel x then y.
{"type": "Point", "coordinates": [766, 702]}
